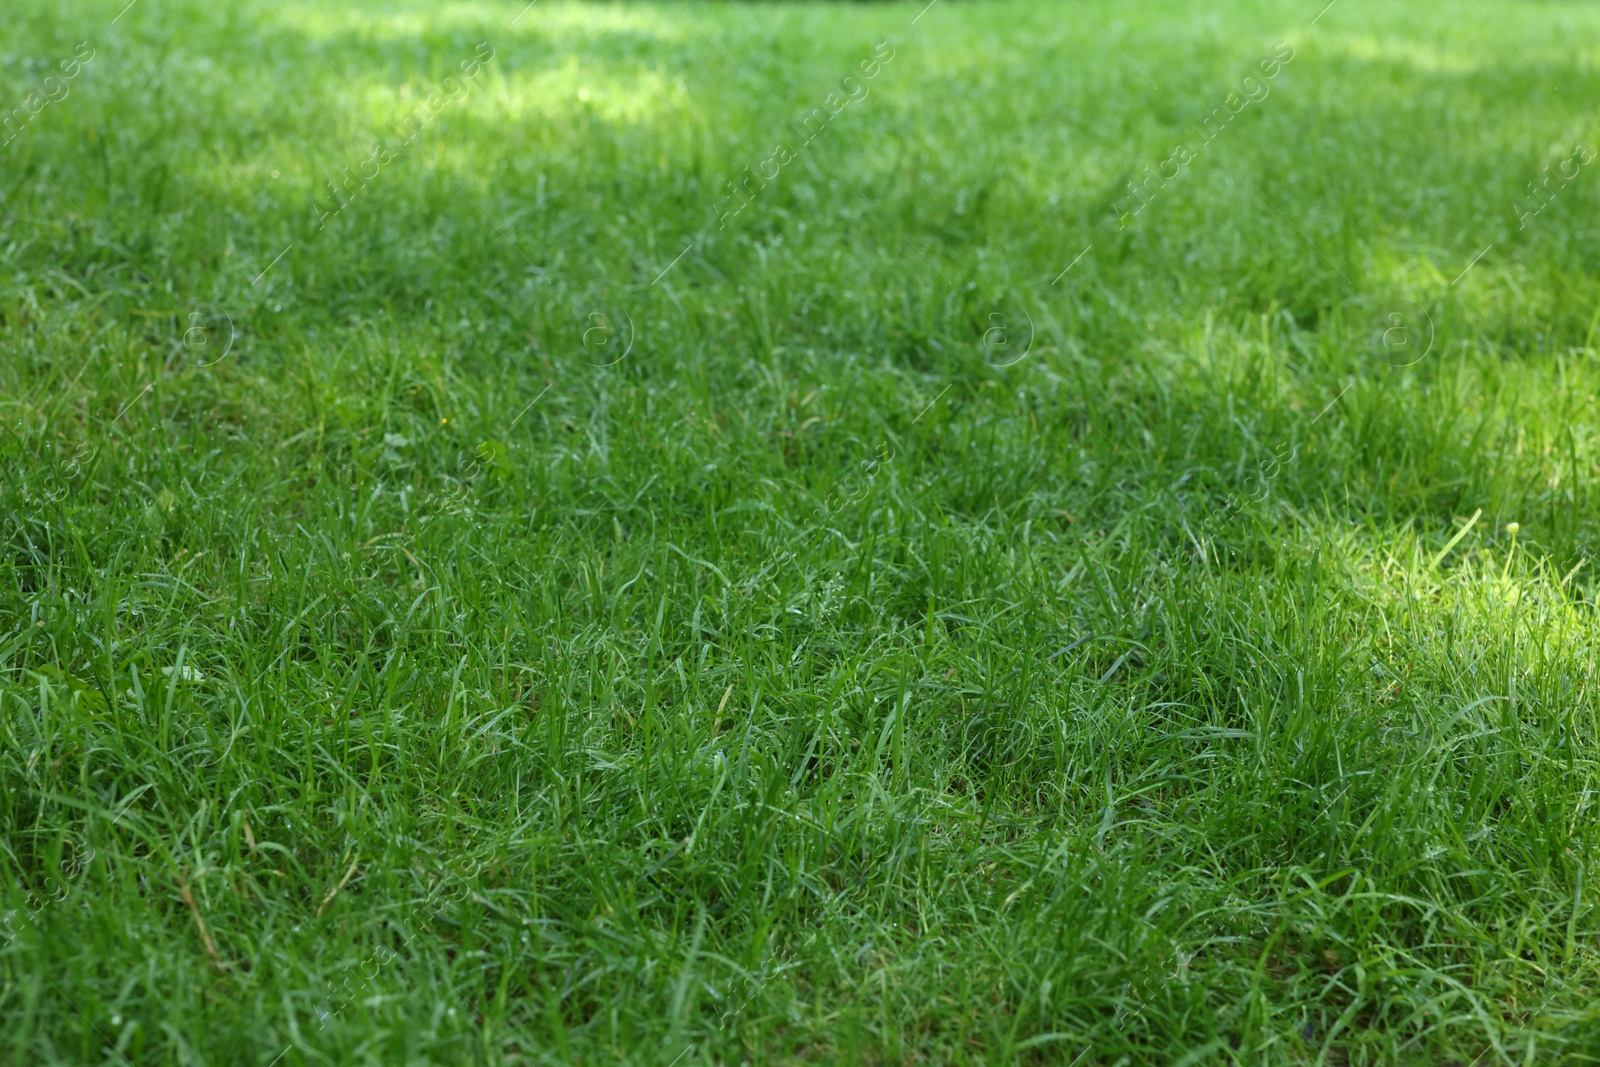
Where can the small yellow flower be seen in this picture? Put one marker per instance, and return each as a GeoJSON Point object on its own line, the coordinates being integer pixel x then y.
{"type": "Point", "coordinates": [1513, 527]}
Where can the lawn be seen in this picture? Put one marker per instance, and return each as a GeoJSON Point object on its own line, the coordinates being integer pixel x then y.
{"type": "Point", "coordinates": [686, 533]}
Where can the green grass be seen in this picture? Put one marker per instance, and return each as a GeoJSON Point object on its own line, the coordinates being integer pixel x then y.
{"type": "Point", "coordinates": [481, 636]}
